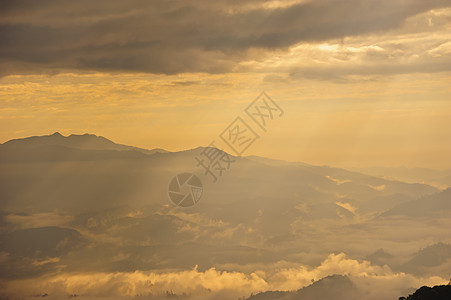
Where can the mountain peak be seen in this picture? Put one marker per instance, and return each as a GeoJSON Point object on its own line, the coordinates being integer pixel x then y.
{"type": "Point", "coordinates": [84, 141]}
{"type": "Point", "coordinates": [57, 134]}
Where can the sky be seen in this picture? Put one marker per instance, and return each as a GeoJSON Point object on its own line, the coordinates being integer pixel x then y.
{"type": "Point", "coordinates": [361, 83]}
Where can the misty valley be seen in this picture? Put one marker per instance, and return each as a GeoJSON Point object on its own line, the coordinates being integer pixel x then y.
{"type": "Point", "coordinates": [83, 216]}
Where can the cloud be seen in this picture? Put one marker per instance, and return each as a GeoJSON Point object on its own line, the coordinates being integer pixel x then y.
{"type": "Point", "coordinates": [141, 283]}
{"type": "Point", "coordinates": [338, 181]}
{"type": "Point", "coordinates": [377, 187]}
{"type": "Point", "coordinates": [215, 284]}
{"type": "Point", "coordinates": [174, 37]}
{"type": "Point", "coordinates": [37, 220]}
{"type": "Point", "coordinates": [413, 47]}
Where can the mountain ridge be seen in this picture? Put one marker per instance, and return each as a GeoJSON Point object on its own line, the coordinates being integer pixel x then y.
{"type": "Point", "coordinates": [120, 171]}
{"type": "Point", "coordinates": [85, 141]}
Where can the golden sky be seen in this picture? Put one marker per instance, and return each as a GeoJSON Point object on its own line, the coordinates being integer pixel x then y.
{"type": "Point", "coordinates": [362, 83]}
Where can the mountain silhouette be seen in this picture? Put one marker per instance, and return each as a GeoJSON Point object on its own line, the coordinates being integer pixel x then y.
{"type": "Point", "coordinates": [427, 205]}
{"type": "Point", "coordinates": [438, 292]}
{"type": "Point", "coordinates": [426, 258]}
{"type": "Point", "coordinates": [84, 142]}
{"type": "Point", "coordinates": [380, 257]}
{"type": "Point", "coordinates": [430, 176]}
{"type": "Point", "coordinates": [90, 172]}
{"type": "Point", "coordinates": [335, 287]}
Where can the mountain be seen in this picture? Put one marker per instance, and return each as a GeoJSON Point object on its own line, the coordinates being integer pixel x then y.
{"type": "Point", "coordinates": [335, 287]}
{"type": "Point", "coordinates": [438, 292]}
{"type": "Point", "coordinates": [380, 257]}
{"type": "Point", "coordinates": [83, 204]}
{"type": "Point", "coordinates": [79, 172]}
{"type": "Point", "coordinates": [439, 178]}
{"type": "Point", "coordinates": [84, 142]}
{"type": "Point", "coordinates": [431, 260]}
{"type": "Point", "coordinates": [35, 251]}
{"type": "Point", "coordinates": [429, 205]}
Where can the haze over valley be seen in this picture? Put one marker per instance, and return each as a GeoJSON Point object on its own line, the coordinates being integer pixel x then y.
{"type": "Point", "coordinates": [225, 150]}
{"type": "Point", "coordinates": [84, 216]}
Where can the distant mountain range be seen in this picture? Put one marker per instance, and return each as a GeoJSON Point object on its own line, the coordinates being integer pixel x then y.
{"type": "Point", "coordinates": [427, 205]}
{"type": "Point", "coordinates": [428, 261]}
{"type": "Point", "coordinates": [83, 203]}
{"type": "Point", "coordinates": [119, 171]}
{"type": "Point", "coordinates": [438, 178]}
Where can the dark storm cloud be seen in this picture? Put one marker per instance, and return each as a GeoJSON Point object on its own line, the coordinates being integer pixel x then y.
{"type": "Point", "coordinates": [177, 36]}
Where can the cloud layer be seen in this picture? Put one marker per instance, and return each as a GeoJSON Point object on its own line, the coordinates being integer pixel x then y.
{"type": "Point", "coordinates": [190, 36]}
{"type": "Point", "coordinates": [374, 281]}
